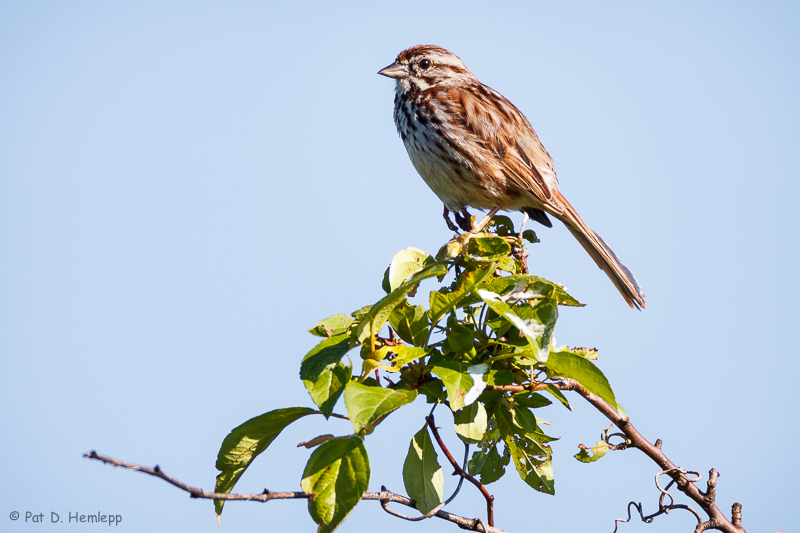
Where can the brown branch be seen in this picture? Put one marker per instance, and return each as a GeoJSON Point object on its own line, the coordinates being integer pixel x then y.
{"type": "Point", "coordinates": [736, 512]}
{"type": "Point", "coordinates": [463, 473]}
{"type": "Point", "coordinates": [384, 496]}
{"type": "Point", "coordinates": [717, 520]}
{"type": "Point", "coordinates": [706, 500]}
{"type": "Point", "coordinates": [194, 492]}
{"type": "Point", "coordinates": [535, 386]}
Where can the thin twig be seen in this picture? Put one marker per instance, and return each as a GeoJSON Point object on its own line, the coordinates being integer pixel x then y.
{"type": "Point", "coordinates": [638, 507]}
{"type": "Point", "coordinates": [432, 512]}
{"type": "Point", "coordinates": [194, 492]}
{"type": "Point", "coordinates": [463, 473]}
{"type": "Point", "coordinates": [662, 509]}
{"type": "Point", "coordinates": [672, 505]}
{"type": "Point", "coordinates": [436, 509]}
{"type": "Point", "coordinates": [717, 520]}
{"type": "Point", "coordinates": [460, 478]}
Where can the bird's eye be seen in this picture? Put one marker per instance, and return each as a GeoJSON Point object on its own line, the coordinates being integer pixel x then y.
{"type": "Point", "coordinates": [425, 63]}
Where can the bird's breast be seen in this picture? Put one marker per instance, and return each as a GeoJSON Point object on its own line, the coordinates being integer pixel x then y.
{"type": "Point", "coordinates": [438, 158]}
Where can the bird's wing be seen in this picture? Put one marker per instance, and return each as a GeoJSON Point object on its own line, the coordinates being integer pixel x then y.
{"type": "Point", "coordinates": [492, 133]}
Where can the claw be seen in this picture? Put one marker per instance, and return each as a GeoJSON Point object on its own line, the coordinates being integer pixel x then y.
{"type": "Point", "coordinates": [464, 220]}
{"type": "Point", "coordinates": [450, 224]}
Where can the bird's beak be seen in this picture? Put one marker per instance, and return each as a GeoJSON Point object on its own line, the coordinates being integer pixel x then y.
{"type": "Point", "coordinates": [395, 70]}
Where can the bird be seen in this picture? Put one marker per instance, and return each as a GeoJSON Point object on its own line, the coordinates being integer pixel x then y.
{"type": "Point", "coordinates": [475, 149]}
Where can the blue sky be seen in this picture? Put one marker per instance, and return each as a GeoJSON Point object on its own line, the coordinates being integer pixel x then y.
{"type": "Point", "coordinates": [186, 188]}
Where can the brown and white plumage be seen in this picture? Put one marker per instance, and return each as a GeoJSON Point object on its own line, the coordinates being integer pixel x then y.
{"type": "Point", "coordinates": [475, 149]}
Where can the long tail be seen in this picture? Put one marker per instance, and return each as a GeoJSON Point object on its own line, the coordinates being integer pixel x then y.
{"type": "Point", "coordinates": [602, 254]}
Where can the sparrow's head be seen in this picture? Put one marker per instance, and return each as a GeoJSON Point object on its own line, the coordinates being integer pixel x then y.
{"type": "Point", "coordinates": [425, 65]}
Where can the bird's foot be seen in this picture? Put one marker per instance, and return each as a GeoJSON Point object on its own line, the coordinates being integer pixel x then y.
{"type": "Point", "coordinates": [464, 220]}
{"type": "Point", "coordinates": [450, 224]}
{"type": "Point", "coordinates": [525, 217]}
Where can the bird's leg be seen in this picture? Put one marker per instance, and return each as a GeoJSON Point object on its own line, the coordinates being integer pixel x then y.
{"type": "Point", "coordinates": [450, 224]}
{"type": "Point", "coordinates": [464, 220]}
{"type": "Point", "coordinates": [479, 226]}
{"type": "Point", "coordinates": [525, 218]}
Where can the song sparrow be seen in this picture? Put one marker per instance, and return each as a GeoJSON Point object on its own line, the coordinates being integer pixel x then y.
{"type": "Point", "coordinates": [475, 149]}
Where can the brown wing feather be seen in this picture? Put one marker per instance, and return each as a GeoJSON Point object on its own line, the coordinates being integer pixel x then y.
{"type": "Point", "coordinates": [499, 137]}
{"type": "Point", "coordinates": [516, 149]}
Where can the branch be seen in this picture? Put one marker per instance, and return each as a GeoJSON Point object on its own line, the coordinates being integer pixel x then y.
{"type": "Point", "coordinates": [706, 500]}
{"type": "Point", "coordinates": [384, 496]}
{"type": "Point", "coordinates": [461, 472]}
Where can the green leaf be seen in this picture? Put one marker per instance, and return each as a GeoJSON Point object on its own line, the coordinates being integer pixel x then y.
{"type": "Point", "coordinates": [402, 356]}
{"type": "Point", "coordinates": [547, 315]}
{"type": "Point", "coordinates": [583, 371]}
{"type": "Point", "coordinates": [451, 250]}
{"type": "Point", "coordinates": [499, 377]}
{"type": "Point", "coordinates": [245, 442]}
{"type": "Point", "coordinates": [336, 475]}
{"type": "Point", "coordinates": [331, 326]}
{"type": "Point", "coordinates": [464, 383]}
{"type": "Point", "coordinates": [503, 226]}
{"type": "Point", "coordinates": [590, 455]}
{"type": "Point", "coordinates": [422, 474]}
{"type": "Point", "coordinates": [323, 374]}
{"type": "Point", "coordinates": [544, 315]}
{"type": "Point", "coordinates": [500, 326]}
{"type": "Point", "coordinates": [525, 286]}
{"type": "Point", "coordinates": [535, 332]}
{"type": "Point", "coordinates": [524, 419]}
{"type": "Point", "coordinates": [459, 338]}
{"type": "Point", "coordinates": [558, 395]}
{"type": "Point", "coordinates": [514, 419]}
{"type": "Point", "coordinates": [434, 391]}
{"type": "Point", "coordinates": [534, 468]}
{"type": "Point", "coordinates": [404, 264]}
{"type": "Point", "coordinates": [441, 304]}
{"type": "Point", "coordinates": [411, 323]}
{"type": "Point", "coordinates": [471, 422]}
{"type": "Point", "coordinates": [531, 400]}
{"type": "Point", "coordinates": [487, 463]}
{"type": "Point", "coordinates": [360, 313]}
{"type": "Point", "coordinates": [368, 406]}
{"type": "Point", "coordinates": [316, 441]}
{"type": "Point", "coordinates": [586, 353]}
{"type": "Point", "coordinates": [530, 236]}
{"type": "Point", "coordinates": [507, 264]}
{"type": "Point", "coordinates": [487, 248]}
{"type": "Point", "coordinates": [376, 317]}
